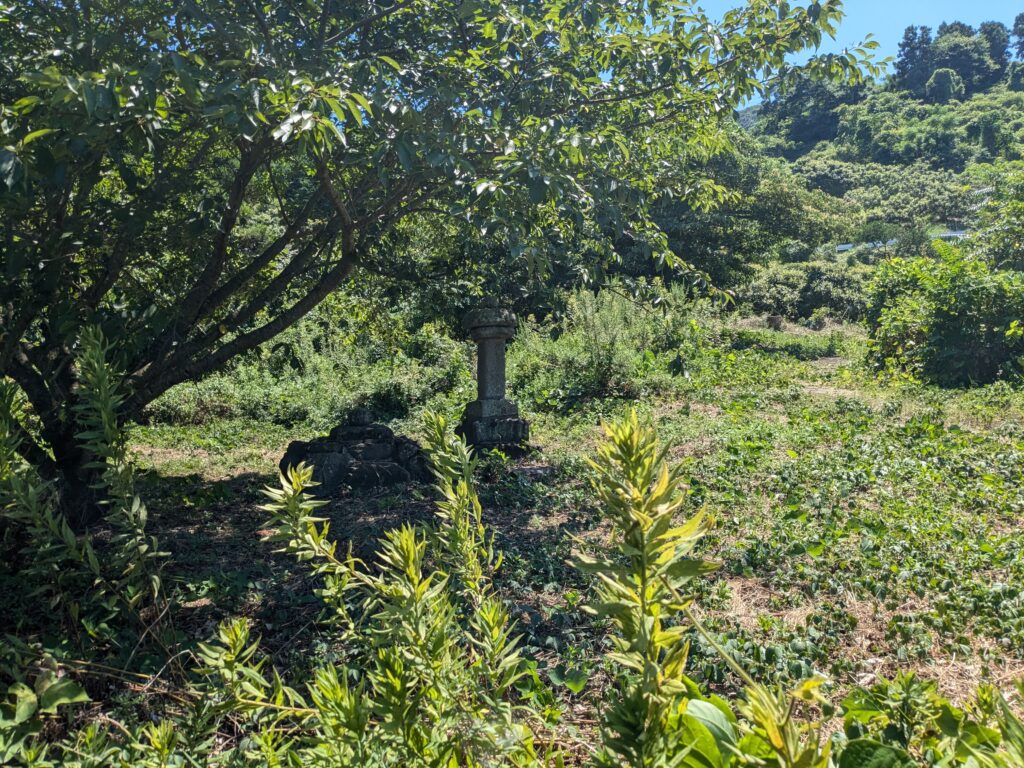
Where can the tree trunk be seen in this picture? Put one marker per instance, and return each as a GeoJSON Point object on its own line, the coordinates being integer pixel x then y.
{"type": "Point", "coordinates": [79, 494]}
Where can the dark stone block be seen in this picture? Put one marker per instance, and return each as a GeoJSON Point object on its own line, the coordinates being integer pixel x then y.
{"type": "Point", "coordinates": [419, 469]}
{"type": "Point", "coordinates": [359, 454]}
{"type": "Point", "coordinates": [372, 474]}
{"type": "Point", "coordinates": [357, 432]}
{"type": "Point", "coordinates": [330, 471]}
{"type": "Point", "coordinates": [372, 451]}
{"type": "Point", "coordinates": [496, 433]}
{"type": "Point", "coordinates": [406, 449]}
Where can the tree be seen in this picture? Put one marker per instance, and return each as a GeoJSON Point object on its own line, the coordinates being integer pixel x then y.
{"type": "Point", "coordinates": [196, 178]}
{"type": "Point", "coordinates": [955, 28]}
{"type": "Point", "coordinates": [998, 37]}
{"type": "Point", "coordinates": [767, 207]}
{"type": "Point", "coordinates": [993, 137]}
{"type": "Point", "coordinates": [913, 64]}
{"type": "Point", "coordinates": [1018, 34]}
{"type": "Point", "coordinates": [944, 86]}
{"type": "Point", "coordinates": [1015, 76]}
{"type": "Point", "coordinates": [807, 111]}
{"type": "Point", "coordinates": [1000, 233]}
{"type": "Point", "coordinates": [968, 57]}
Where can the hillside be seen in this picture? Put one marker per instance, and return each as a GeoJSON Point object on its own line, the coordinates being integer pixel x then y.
{"type": "Point", "coordinates": [905, 151]}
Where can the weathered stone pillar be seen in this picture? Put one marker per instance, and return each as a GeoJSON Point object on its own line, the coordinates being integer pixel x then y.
{"type": "Point", "coordinates": [492, 420]}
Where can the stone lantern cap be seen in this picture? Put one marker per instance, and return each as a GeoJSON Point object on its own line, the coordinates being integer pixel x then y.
{"type": "Point", "coordinates": [489, 321]}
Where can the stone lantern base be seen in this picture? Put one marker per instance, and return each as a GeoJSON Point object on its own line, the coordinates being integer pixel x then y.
{"type": "Point", "coordinates": [490, 424]}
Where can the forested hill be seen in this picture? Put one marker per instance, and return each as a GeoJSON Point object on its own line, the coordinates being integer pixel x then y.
{"type": "Point", "coordinates": [833, 185]}
{"type": "Point", "coordinates": [917, 148]}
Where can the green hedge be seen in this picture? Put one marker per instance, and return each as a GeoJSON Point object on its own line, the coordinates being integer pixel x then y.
{"type": "Point", "coordinates": [797, 290]}
{"type": "Point", "coordinates": [953, 320]}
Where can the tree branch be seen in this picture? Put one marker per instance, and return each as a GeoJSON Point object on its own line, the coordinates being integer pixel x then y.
{"type": "Point", "coordinates": [244, 275]}
{"type": "Point", "coordinates": [191, 307]}
{"type": "Point", "coordinates": [354, 27]}
{"type": "Point", "coordinates": [202, 366]}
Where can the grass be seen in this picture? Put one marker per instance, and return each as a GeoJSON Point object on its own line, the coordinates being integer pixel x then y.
{"type": "Point", "coordinates": [862, 527]}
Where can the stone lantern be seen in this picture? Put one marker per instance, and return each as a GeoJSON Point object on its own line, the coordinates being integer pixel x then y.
{"type": "Point", "coordinates": [492, 420]}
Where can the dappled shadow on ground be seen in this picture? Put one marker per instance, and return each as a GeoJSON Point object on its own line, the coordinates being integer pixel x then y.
{"type": "Point", "coordinates": [221, 564]}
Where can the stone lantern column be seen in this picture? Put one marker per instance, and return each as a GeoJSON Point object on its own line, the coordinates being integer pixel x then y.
{"type": "Point", "coordinates": [492, 420]}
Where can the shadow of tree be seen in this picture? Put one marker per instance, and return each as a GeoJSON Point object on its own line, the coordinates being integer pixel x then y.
{"type": "Point", "coordinates": [221, 565]}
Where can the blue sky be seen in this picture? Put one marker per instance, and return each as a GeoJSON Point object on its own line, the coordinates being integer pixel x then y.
{"type": "Point", "coordinates": [887, 19]}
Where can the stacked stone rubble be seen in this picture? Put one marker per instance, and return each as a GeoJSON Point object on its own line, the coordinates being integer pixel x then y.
{"type": "Point", "coordinates": [359, 454]}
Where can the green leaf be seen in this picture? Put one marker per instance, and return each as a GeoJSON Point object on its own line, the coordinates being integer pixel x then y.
{"type": "Point", "coordinates": [29, 138]}
{"type": "Point", "coordinates": [866, 753]}
{"type": "Point", "coordinates": [406, 154]}
{"type": "Point", "coordinates": [704, 749]}
{"type": "Point", "coordinates": [60, 692]}
{"type": "Point", "coordinates": [712, 718]}
{"type": "Point", "coordinates": [362, 101]}
{"type": "Point", "coordinates": [49, 77]}
{"type": "Point", "coordinates": [576, 680]}
{"type": "Point", "coordinates": [25, 702]}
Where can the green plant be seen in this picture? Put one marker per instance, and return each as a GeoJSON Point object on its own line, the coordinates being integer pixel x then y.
{"type": "Point", "coordinates": [641, 594]}
{"type": "Point", "coordinates": [819, 319]}
{"type": "Point", "coordinates": [944, 86]}
{"type": "Point", "coordinates": [605, 345]}
{"type": "Point", "coordinates": [799, 290]}
{"type": "Point", "coordinates": [106, 597]}
{"type": "Point", "coordinates": [432, 649]}
{"type": "Point", "coordinates": [949, 320]}
{"type": "Point", "coordinates": [907, 715]}
{"type": "Point", "coordinates": [90, 585]}
{"type": "Point", "coordinates": [659, 716]}
{"type": "Point", "coordinates": [1015, 76]}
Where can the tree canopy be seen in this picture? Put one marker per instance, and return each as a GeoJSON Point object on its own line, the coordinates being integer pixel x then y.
{"type": "Point", "coordinates": [980, 58]}
{"type": "Point", "coordinates": [196, 177]}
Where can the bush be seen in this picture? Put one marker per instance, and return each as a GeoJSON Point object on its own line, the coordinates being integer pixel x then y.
{"type": "Point", "coordinates": [318, 370]}
{"type": "Point", "coordinates": [952, 320]}
{"type": "Point", "coordinates": [603, 345]}
{"type": "Point", "coordinates": [775, 290]}
{"type": "Point", "coordinates": [818, 320]}
{"type": "Point", "coordinates": [797, 291]}
{"type": "Point", "coordinates": [944, 86]}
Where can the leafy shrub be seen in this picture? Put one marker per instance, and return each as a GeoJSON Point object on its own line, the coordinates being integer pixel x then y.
{"type": "Point", "coordinates": [952, 320]}
{"type": "Point", "coordinates": [818, 319]}
{"type": "Point", "coordinates": [837, 288]}
{"type": "Point", "coordinates": [944, 86]}
{"type": "Point", "coordinates": [603, 345]}
{"type": "Point", "coordinates": [86, 586]}
{"type": "Point", "coordinates": [96, 594]}
{"type": "Point", "coordinates": [776, 289]}
{"type": "Point", "coordinates": [1000, 222]}
{"type": "Point", "coordinates": [797, 290]}
{"type": "Point", "coordinates": [318, 370]}
{"type": "Point", "coordinates": [803, 346]}
{"type": "Point", "coordinates": [901, 194]}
